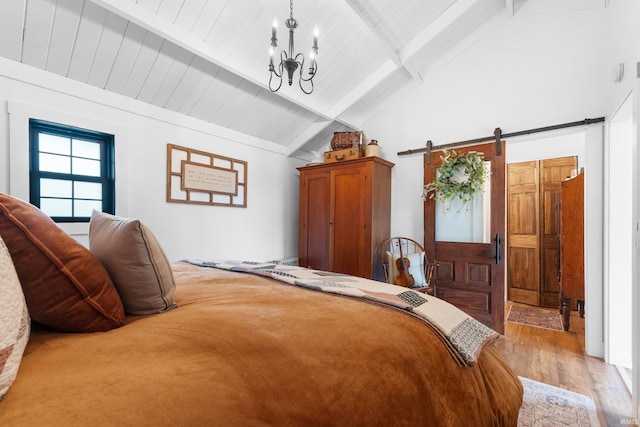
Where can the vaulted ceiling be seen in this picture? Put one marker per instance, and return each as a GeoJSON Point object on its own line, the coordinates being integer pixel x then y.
{"type": "Point", "coordinates": [209, 58]}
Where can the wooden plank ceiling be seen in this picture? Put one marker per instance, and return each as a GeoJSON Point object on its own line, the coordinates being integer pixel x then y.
{"type": "Point", "coordinates": [208, 59]}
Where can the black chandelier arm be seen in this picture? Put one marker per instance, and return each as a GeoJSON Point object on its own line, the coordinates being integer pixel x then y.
{"type": "Point", "coordinates": [301, 79]}
{"type": "Point", "coordinates": [271, 78]}
{"type": "Point", "coordinates": [311, 72]}
{"type": "Point", "coordinates": [279, 73]}
{"type": "Point", "coordinates": [302, 88]}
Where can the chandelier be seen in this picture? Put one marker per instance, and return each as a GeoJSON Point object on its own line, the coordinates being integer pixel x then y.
{"type": "Point", "coordinates": [290, 62]}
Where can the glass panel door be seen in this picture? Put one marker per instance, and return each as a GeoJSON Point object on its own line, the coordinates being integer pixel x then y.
{"type": "Point", "coordinates": [466, 222]}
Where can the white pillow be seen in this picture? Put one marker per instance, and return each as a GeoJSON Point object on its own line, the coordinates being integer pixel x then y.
{"type": "Point", "coordinates": [14, 321]}
{"type": "Point", "coordinates": [415, 268]}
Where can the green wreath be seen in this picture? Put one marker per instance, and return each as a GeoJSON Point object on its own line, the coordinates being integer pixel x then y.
{"type": "Point", "coordinates": [444, 189]}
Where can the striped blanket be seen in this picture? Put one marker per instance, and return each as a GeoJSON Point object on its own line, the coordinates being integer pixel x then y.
{"type": "Point", "coordinates": [462, 335]}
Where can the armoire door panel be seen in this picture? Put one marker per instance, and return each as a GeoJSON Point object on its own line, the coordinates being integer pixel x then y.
{"type": "Point", "coordinates": [313, 242]}
{"type": "Point", "coordinates": [347, 223]}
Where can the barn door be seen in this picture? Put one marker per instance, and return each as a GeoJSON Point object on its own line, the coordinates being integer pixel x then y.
{"type": "Point", "coordinates": [467, 244]}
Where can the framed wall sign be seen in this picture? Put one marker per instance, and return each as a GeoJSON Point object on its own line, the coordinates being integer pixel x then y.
{"type": "Point", "coordinates": [203, 178]}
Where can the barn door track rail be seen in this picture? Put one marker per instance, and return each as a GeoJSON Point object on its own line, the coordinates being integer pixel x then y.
{"type": "Point", "coordinates": [497, 137]}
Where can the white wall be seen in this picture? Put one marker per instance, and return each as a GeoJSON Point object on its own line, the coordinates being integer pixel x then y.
{"type": "Point", "coordinates": [266, 229]}
{"type": "Point", "coordinates": [618, 222]}
{"type": "Point", "coordinates": [635, 271]}
{"type": "Point", "coordinates": [528, 71]}
{"type": "Point", "coordinates": [532, 70]}
{"type": "Point", "coordinates": [622, 39]}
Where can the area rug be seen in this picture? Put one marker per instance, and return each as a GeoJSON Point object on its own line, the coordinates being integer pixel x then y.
{"type": "Point", "coordinates": [538, 317]}
{"type": "Point", "coordinates": [548, 406]}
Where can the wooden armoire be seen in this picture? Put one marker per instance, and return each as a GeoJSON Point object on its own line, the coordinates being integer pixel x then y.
{"type": "Point", "coordinates": [345, 212]}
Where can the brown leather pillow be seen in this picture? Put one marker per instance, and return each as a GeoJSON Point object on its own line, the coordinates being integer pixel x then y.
{"type": "Point", "coordinates": [136, 262]}
{"type": "Point", "coordinates": [65, 286]}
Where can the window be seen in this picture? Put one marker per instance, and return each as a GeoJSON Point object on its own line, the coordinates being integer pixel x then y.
{"type": "Point", "coordinates": [71, 171]}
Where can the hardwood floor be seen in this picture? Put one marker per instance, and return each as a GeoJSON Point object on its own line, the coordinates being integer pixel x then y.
{"type": "Point", "coordinates": [558, 358]}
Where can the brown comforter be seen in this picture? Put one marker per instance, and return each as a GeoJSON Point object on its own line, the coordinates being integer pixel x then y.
{"type": "Point", "coordinates": [244, 350]}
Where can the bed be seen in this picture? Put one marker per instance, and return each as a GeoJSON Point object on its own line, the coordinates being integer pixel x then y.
{"type": "Point", "coordinates": [230, 343]}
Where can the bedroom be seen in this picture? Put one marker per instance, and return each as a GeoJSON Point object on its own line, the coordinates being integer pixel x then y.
{"type": "Point", "coordinates": [517, 73]}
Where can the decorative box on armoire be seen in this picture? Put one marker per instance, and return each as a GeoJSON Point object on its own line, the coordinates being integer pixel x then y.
{"type": "Point", "coordinates": [345, 212]}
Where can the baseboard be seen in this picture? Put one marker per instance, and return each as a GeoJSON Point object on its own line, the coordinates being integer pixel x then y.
{"type": "Point", "coordinates": [625, 374]}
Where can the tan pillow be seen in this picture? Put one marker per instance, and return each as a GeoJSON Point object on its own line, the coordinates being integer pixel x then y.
{"type": "Point", "coordinates": [136, 262]}
{"type": "Point", "coordinates": [14, 321]}
{"type": "Point", "coordinates": [65, 286]}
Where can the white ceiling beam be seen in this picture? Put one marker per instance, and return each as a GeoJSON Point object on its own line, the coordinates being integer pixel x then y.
{"type": "Point", "coordinates": [468, 41]}
{"type": "Point", "coordinates": [435, 28]}
{"type": "Point", "coordinates": [362, 14]}
{"type": "Point", "coordinates": [364, 87]}
{"type": "Point", "coordinates": [307, 135]}
{"type": "Point", "coordinates": [167, 30]}
{"type": "Point", "coordinates": [410, 49]}
{"type": "Point", "coordinates": [365, 16]}
{"type": "Point", "coordinates": [510, 10]}
{"type": "Point", "coordinates": [348, 100]}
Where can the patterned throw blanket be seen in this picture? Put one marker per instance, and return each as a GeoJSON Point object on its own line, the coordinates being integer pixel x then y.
{"type": "Point", "coordinates": [462, 335]}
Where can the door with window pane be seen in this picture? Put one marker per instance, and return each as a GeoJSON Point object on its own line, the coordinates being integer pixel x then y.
{"type": "Point", "coordinates": [466, 242]}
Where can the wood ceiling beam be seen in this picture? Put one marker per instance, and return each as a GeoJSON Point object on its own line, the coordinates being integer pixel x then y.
{"type": "Point", "coordinates": [129, 11]}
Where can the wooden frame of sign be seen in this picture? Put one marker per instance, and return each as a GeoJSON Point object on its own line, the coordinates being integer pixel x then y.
{"type": "Point", "coordinates": [203, 178]}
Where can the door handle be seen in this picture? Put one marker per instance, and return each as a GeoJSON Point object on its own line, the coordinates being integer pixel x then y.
{"type": "Point", "coordinates": [497, 249]}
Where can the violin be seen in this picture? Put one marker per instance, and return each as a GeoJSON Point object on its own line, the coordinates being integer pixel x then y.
{"type": "Point", "coordinates": [403, 278]}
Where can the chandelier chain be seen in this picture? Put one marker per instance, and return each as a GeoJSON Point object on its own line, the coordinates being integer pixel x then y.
{"type": "Point", "coordinates": [291, 9]}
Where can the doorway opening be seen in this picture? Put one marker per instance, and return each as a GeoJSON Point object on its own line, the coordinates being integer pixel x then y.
{"type": "Point", "coordinates": [534, 243]}
{"type": "Point", "coordinates": [538, 166]}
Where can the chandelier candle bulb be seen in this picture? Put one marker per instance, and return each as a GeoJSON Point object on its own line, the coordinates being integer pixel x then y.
{"type": "Point", "coordinates": [315, 38]}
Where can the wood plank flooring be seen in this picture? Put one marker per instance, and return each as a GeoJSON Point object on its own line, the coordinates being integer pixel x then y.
{"type": "Point", "coordinates": [558, 358]}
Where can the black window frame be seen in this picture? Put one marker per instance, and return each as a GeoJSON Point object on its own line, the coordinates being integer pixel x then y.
{"type": "Point", "coordinates": [107, 165]}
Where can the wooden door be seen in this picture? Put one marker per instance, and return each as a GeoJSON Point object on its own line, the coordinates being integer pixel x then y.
{"type": "Point", "coordinates": [552, 173]}
{"type": "Point", "coordinates": [523, 233]}
{"type": "Point", "coordinates": [533, 229]}
{"type": "Point", "coordinates": [572, 247]}
{"type": "Point", "coordinates": [471, 275]}
{"type": "Point", "coordinates": [347, 223]}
